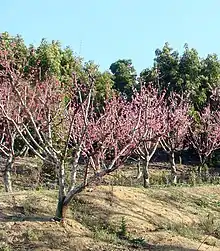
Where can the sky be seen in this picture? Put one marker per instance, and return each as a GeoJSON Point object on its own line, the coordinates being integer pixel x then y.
{"type": "Point", "coordinates": [105, 31]}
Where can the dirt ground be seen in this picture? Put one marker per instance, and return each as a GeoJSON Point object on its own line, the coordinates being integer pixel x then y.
{"type": "Point", "coordinates": [175, 218]}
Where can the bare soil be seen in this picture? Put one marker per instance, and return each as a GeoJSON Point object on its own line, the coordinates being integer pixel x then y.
{"type": "Point", "coordinates": [174, 218]}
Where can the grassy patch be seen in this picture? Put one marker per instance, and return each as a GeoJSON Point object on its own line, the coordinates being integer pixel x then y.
{"type": "Point", "coordinates": [107, 217]}
{"type": "Point", "coordinates": [5, 247]}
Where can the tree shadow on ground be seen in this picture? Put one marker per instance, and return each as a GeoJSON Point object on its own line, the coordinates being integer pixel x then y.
{"type": "Point", "coordinates": [91, 214]}
{"type": "Point", "coordinates": [17, 218]}
{"type": "Point", "coordinates": [169, 248]}
{"type": "Point", "coordinates": [104, 214]}
{"type": "Point", "coordinates": [52, 240]}
{"type": "Point", "coordinates": [56, 238]}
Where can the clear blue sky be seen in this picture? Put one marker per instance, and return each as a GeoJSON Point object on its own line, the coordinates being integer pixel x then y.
{"type": "Point", "coordinates": [116, 29]}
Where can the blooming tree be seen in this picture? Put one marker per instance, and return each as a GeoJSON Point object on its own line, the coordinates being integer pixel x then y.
{"type": "Point", "coordinates": [7, 140]}
{"type": "Point", "coordinates": [8, 132]}
{"type": "Point", "coordinates": [152, 126]}
{"type": "Point", "coordinates": [177, 124]}
{"type": "Point", "coordinates": [112, 133]}
{"type": "Point", "coordinates": [204, 133]}
{"type": "Point", "coordinates": [58, 125]}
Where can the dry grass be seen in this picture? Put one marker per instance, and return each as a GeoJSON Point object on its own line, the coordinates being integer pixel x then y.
{"type": "Point", "coordinates": [156, 219]}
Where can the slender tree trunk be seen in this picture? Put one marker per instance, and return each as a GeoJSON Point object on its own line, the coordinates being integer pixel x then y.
{"type": "Point", "coordinates": [173, 168]}
{"type": "Point", "coordinates": [202, 163]}
{"type": "Point", "coordinates": [139, 172]}
{"type": "Point", "coordinates": [146, 174]}
{"type": "Point", "coordinates": [61, 209]}
{"type": "Point", "coordinates": [74, 169]}
{"type": "Point", "coordinates": [7, 173]}
{"type": "Point", "coordinates": [74, 175]}
{"type": "Point", "coordinates": [180, 159]}
{"type": "Point", "coordinates": [65, 199]}
{"type": "Point", "coordinates": [26, 151]}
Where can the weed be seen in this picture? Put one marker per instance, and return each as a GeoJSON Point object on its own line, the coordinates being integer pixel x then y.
{"type": "Point", "coordinates": [123, 233]}
{"type": "Point", "coordinates": [31, 235]}
{"type": "Point", "coordinates": [5, 247]}
{"type": "Point", "coordinates": [210, 225]}
{"type": "Point", "coordinates": [110, 195]}
{"type": "Point", "coordinates": [120, 179]}
{"type": "Point", "coordinates": [192, 178]}
{"type": "Point", "coordinates": [190, 231]}
{"type": "Point", "coordinates": [138, 242]}
{"type": "Point", "coordinates": [217, 203]}
{"type": "Point", "coordinates": [161, 178]}
{"type": "Point", "coordinates": [201, 202]}
{"type": "Point", "coordinates": [106, 236]}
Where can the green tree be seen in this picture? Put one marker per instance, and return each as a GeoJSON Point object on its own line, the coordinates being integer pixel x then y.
{"type": "Point", "coordinates": [165, 72]}
{"type": "Point", "coordinates": [210, 68]}
{"type": "Point", "coordinates": [103, 86]}
{"type": "Point", "coordinates": [191, 75]}
{"type": "Point", "coordinates": [103, 81]}
{"type": "Point", "coordinates": [186, 74]}
{"type": "Point", "coordinates": [54, 61]}
{"type": "Point", "coordinates": [199, 76]}
{"type": "Point", "coordinates": [124, 76]}
{"type": "Point", "coordinates": [16, 49]}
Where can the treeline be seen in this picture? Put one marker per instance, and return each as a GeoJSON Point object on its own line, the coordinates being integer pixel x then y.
{"type": "Point", "coordinates": [60, 109]}
{"type": "Point", "coordinates": [185, 73]}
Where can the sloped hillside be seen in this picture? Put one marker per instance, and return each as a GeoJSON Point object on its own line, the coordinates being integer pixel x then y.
{"type": "Point", "coordinates": [114, 218]}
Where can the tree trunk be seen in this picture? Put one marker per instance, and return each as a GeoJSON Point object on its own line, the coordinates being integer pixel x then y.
{"type": "Point", "coordinates": [180, 159]}
{"type": "Point", "coordinates": [7, 173]}
{"type": "Point", "coordinates": [202, 159]}
{"type": "Point", "coordinates": [173, 168]}
{"type": "Point", "coordinates": [74, 169]}
{"type": "Point", "coordinates": [61, 209]}
{"type": "Point", "coordinates": [73, 175]}
{"type": "Point", "coordinates": [139, 172]}
{"type": "Point", "coordinates": [146, 174]}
